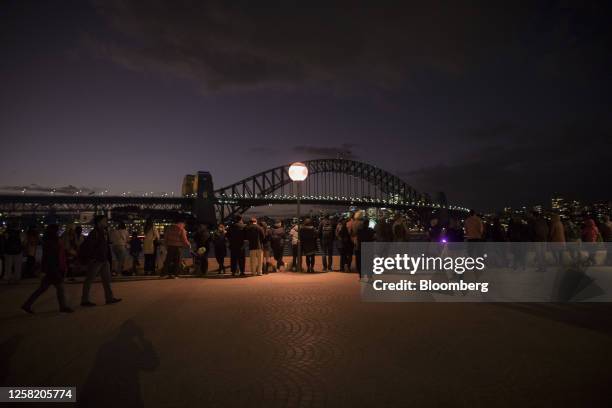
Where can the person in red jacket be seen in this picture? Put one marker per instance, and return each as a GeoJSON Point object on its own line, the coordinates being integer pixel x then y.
{"type": "Point", "coordinates": [54, 268]}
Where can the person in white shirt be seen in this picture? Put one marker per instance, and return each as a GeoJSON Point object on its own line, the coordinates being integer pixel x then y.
{"type": "Point", "coordinates": [119, 240]}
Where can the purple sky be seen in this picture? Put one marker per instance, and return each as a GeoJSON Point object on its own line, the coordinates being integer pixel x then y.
{"type": "Point", "coordinates": [492, 106]}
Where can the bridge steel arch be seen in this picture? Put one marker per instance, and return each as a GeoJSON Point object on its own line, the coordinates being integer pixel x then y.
{"type": "Point", "coordinates": [238, 197]}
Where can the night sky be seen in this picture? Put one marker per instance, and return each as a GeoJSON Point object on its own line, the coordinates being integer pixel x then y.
{"type": "Point", "coordinates": [495, 106]}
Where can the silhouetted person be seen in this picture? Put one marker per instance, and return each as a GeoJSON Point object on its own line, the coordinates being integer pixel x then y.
{"type": "Point", "coordinates": [517, 235]}
{"type": "Point", "coordinates": [95, 253]}
{"type": "Point", "coordinates": [135, 250]}
{"type": "Point", "coordinates": [454, 232]}
{"type": "Point", "coordinates": [149, 247]}
{"type": "Point", "coordinates": [295, 240]}
{"type": "Point", "coordinates": [557, 238]}
{"type": "Point", "coordinates": [327, 234]}
{"type": "Point", "coordinates": [255, 235]}
{"type": "Point", "coordinates": [32, 240]}
{"type": "Point", "coordinates": [277, 241]}
{"type": "Point", "coordinates": [590, 235]}
{"type": "Point", "coordinates": [114, 377]}
{"type": "Point", "coordinates": [220, 245]}
{"type": "Point", "coordinates": [53, 266]}
{"type": "Point", "coordinates": [236, 238]}
{"type": "Point", "coordinates": [364, 234]}
{"type": "Point", "coordinates": [346, 246]}
{"type": "Point", "coordinates": [175, 237]}
{"type": "Point", "coordinates": [538, 233]}
{"type": "Point", "coordinates": [202, 242]}
{"type": "Point", "coordinates": [13, 254]}
{"type": "Point", "coordinates": [308, 241]}
{"type": "Point", "coordinates": [434, 232]}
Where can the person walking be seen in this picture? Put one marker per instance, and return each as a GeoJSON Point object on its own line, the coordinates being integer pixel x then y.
{"type": "Point", "coordinates": [308, 241]}
{"type": "Point", "coordinates": [295, 240]}
{"type": "Point", "coordinates": [175, 238]}
{"type": "Point", "coordinates": [53, 267]}
{"type": "Point", "coordinates": [557, 238]}
{"type": "Point", "coordinates": [13, 254]}
{"type": "Point", "coordinates": [119, 238]}
{"type": "Point", "coordinates": [135, 250]}
{"type": "Point", "coordinates": [277, 241]}
{"type": "Point", "coordinates": [236, 238]}
{"type": "Point", "coordinates": [255, 235]}
{"type": "Point", "coordinates": [149, 247]}
{"type": "Point", "coordinates": [95, 253]}
{"type": "Point", "coordinates": [202, 243]}
{"type": "Point", "coordinates": [327, 234]}
{"type": "Point", "coordinates": [220, 246]}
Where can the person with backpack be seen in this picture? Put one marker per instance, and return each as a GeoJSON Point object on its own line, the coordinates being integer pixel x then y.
{"type": "Point", "coordinates": [95, 253]}
{"type": "Point", "coordinates": [220, 245]}
{"type": "Point", "coordinates": [53, 266]}
{"type": "Point", "coordinates": [277, 241]}
{"type": "Point", "coordinates": [13, 254]}
{"type": "Point", "coordinates": [327, 234]}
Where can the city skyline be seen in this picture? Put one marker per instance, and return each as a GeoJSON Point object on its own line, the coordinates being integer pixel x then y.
{"type": "Point", "coordinates": [494, 108]}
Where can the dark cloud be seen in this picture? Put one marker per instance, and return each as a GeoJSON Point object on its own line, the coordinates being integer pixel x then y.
{"type": "Point", "coordinates": [37, 188]}
{"type": "Point", "coordinates": [221, 45]}
{"type": "Point", "coordinates": [344, 151]}
{"type": "Point", "coordinates": [570, 160]}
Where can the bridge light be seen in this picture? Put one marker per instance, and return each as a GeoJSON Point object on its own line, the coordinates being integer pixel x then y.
{"type": "Point", "coordinates": [298, 171]}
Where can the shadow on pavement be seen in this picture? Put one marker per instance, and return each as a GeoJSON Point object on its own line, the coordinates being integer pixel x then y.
{"type": "Point", "coordinates": [115, 375]}
{"type": "Point", "coordinates": [592, 316]}
{"type": "Point", "coordinates": [7, 350]}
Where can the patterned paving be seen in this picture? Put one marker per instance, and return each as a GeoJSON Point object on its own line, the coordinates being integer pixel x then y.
{"type": "Point", "coordinates": [303, 340]}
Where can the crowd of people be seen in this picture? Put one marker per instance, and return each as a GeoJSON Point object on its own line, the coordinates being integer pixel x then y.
{"type": "Point", "coordinates": [106, 251]}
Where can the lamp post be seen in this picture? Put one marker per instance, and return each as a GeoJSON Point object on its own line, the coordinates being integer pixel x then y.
{"type": "Point", "coordinates": [298, 173]}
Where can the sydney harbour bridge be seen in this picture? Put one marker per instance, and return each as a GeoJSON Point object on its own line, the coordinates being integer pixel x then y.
{"type": "Point", "coordinates": [334, 182]}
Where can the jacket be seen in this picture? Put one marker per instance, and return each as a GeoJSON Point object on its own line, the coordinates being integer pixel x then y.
{"type": "Point", "coordinates": [236, 236]}
{"type": "Point", "coordinates": [308, 240]}
{"type": "Point", "coordinates": [176, 236]}
{"type": "Point", "coordinates": [148, 244]}
{"type": "Point", "coordinates": [255, 235]}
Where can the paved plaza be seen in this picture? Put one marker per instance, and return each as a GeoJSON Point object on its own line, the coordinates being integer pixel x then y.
{"type": "Point", "coordinates": [303, 340]}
